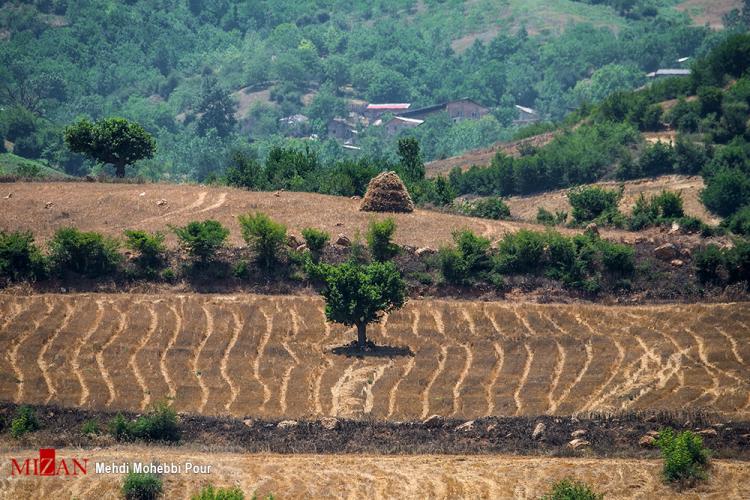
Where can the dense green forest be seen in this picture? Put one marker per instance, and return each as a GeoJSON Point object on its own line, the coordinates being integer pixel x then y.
{"type": "Point", "coordinates": [176, 67]}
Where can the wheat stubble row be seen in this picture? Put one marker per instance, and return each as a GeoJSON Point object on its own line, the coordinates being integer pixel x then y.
{"type": "Point", "coordinates": [270, 356]}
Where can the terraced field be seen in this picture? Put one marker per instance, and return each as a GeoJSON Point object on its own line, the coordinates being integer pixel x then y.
{"type": "Point", "coordinates": [364, 476]}
{"type": "Point", "coordinates": [271, 357]}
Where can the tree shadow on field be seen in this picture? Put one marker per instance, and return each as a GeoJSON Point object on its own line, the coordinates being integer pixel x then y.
{"type": "Point", "coordinates": [372, 350]}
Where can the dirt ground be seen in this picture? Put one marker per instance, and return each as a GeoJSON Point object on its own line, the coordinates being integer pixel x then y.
{"type": "Point", "coordinates": [710, 12]}
{"type": "Point", "coordinates": [374, 476]}
{"type": "Point", "coordinates": [275, 357]}
{"type": "Point", "coordinates": [525, 207]}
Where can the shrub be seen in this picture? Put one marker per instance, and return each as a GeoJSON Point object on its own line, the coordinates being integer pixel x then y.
{"type": "Point", "coordinates": [379, 235]}
{"type": "Point", "coordinates": [468, 261]}
{"type": "Point", "coordinates": [544, 216]}
{"type": "Point", "coordinates": [669, 204]}
{"type": "Point", "coordinates": [211, 493]}
{"type": "Point", "coordinates": [142, 486]}
{"type": "Point", "coordinates": [617, 258]}
{"type": "Point", "coordinates": [90, 427]}
{"type": "Point", "coordinates": [726, 191]}
{"type": "Point", "coordinates": [19, 256]}
{"type": "Point", "coordinates": [150, 247]}
{"type": "Point", "coordinates": [708, 263]}
{"type": "Point", "coordinates": [590, 202]}
{"type": "Point", "coordinates": [119, 428]}
{"type": "Point", "coordinates": [569, 489]}
{"type": "Point", "coordinates": [25, 421]}
{"type": "Point", "coordinates": [160, 424]}
{"type": "Point", "coordinates": [88, 253]}
{"type": "Point", "coordinates": [658, 158]}
{"type": "Point", "coordinates": [316, 240]}
{"type": "Point", "coordinates": [202, 239]}
{"type": "Point", "coordinates": [685, 458]}
{"type": "Point", "coordinates": [739, 223]}
{"type": "Point", "coordinates": [489, 208]}
{"type": "Point", "coordinates": [520, 252]}
{"type": "Point", "coordinates": [265, 237]}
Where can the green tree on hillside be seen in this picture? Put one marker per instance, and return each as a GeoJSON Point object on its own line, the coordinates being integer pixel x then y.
{"type": "Point", "coordinates": [411, 166]}
{"type": "Point", "coordinates": [358, 295]}
{"type": "Point", "coordinates": [216, 109]}
{"type": "Point", "coordinates": [114, 141]}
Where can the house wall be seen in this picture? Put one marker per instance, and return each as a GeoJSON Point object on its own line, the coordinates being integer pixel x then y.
{"type": "Point", "coordinates": [465, 110]}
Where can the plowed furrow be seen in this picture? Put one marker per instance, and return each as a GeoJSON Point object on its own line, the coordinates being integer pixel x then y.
{"type": "Point", "coordinates": [180, 358]}
{"type": "Point", "coordinates": [148, 356]}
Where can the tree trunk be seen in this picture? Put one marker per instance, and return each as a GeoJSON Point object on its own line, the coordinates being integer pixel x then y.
{"type": "Point", "coordinates": [120, 170]}
{"type": "Point", "coordinates": [361, 336]}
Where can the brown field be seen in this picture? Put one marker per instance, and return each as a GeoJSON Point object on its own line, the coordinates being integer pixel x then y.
{"type": "Point", "coordinates": [525, 207]}
{"type": "Point", "coordinates": [368, 476]}
{"type": "Point", "coordinates": [112, 208]}
{"type": "Point", "coordinates": [271, 357]}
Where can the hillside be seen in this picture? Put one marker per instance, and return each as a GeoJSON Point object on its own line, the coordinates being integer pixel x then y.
{"type": "Point", "coordinates": [525, 207]}
{"type": "Point", "coordinates": [112, 208]}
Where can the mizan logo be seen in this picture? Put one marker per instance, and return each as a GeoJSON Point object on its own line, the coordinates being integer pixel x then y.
{"type": "Point", "coordinates": [48, 465]}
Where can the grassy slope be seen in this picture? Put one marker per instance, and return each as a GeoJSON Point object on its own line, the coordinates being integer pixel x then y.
{"type": "Point", "coordinates": [10, 165]}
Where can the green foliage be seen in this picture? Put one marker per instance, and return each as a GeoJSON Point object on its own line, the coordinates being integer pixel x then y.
{"type": "Point", "coordinates": [87, 253]}
{"type": "Point", "coordinates": [202, 239]}
{"type": "Point", "coordinates": [468, 261]}
{"type": "Point", "coordinates": [90, 427]}
{"type": "Point", "coordinates": [245, 171]}
{"type": "Point", "coordinates": [726, 191]}
{"type": "Point", "coordinates": [578, 262]}
{"type": "Point", "coordinates": [661, 208]}
{"type": "Point", "coordinates": [150, 247]}
{"type": "Point", "coordinates": [25, 421]}
{"type": "Point", "coordinates": [264, 236]}
{"type": "Point", "coordinates": [379, 239]}
{"type": "Point", "coordinates": [159, 424]}
{"type": "Point", "coordinates": [20, 258]}
{"type": "Point", "coordinates": [569, 489]}
{"type": "Point", "coordinates": [724, 265]}
{"type": "Point", "coordinates": [210, 493]}
{"type": "Point", "coordinates": [739, 223]}
{"type": "Point", "coordinates": [487, 208]}
{"type": "Point", "coordinates": [114, 141]}
{"type": "Point", "coordinates": [590, 202]}
{"type": "Point", "coordinates": [411, 166]}
{"type": "Point", "coordinates": [357, 295]}
{"type": "Point", "coordinates": [685, 457]}
{"type": "Point", "coordinates": [142, 486]}
{"type": "Point", "coordinates": [316, 240]}
{"type": "Point", "coordinates": [544, 216]}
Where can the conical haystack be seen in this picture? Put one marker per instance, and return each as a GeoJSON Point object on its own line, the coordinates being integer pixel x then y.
{"type": "Point", "coordinates": [387, 193]}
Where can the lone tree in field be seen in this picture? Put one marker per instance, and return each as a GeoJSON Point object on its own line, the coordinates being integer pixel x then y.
{"type": "Point", "coordinates": [114, 141]}
{"type": "Point", "coordinates": [358, 295]}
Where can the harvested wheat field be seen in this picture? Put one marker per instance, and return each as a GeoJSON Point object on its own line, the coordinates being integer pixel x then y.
{"type": "Point", "coordinates": [525, 207]}
{"type": "Point", "coordinates": [112, 208]}
{"type": "Point", "coordinates": [367, 476]}
{"type": "Point", "coordinates": [271, 357]}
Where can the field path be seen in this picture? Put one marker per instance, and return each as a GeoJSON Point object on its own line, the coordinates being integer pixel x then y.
{"type": "Point", "coordinates": [273, 357]}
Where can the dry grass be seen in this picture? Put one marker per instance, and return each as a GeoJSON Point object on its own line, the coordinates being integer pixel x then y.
{"type": "Point", "coordinates": [368, 476]}
{"type": "Point", "coordinates": [525, 207]}
{"type": "Point", "coordinates": [271, 357]}
{"type": "Point", "coordinates": [112, 208]}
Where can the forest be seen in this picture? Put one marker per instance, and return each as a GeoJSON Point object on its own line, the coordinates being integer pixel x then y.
{"type": "Point", "coordinates": [211, 80]}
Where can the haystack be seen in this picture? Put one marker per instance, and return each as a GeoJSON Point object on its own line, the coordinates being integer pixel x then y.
{"type": "Point", "coordinates": [387, 193]}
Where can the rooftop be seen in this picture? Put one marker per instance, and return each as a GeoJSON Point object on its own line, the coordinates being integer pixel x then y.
{"type": "Point", "coordinates": [399, 105]}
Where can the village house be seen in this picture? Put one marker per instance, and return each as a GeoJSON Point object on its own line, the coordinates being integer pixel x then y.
{"type": "Point", "coordinates": [373, 111]}
{"type": "Point", "coordinates": [458, 110]}
{"type": "Point", "coordinates": [294, 125]}
{"type": "Point", "coordinates": [399, 123]}
{"type": "Point", "coordinates": [341, 129]}
{"type": "Point", "coordinates": [525, 116]}
{"type": "Point", "coordinates": [665, 73]}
